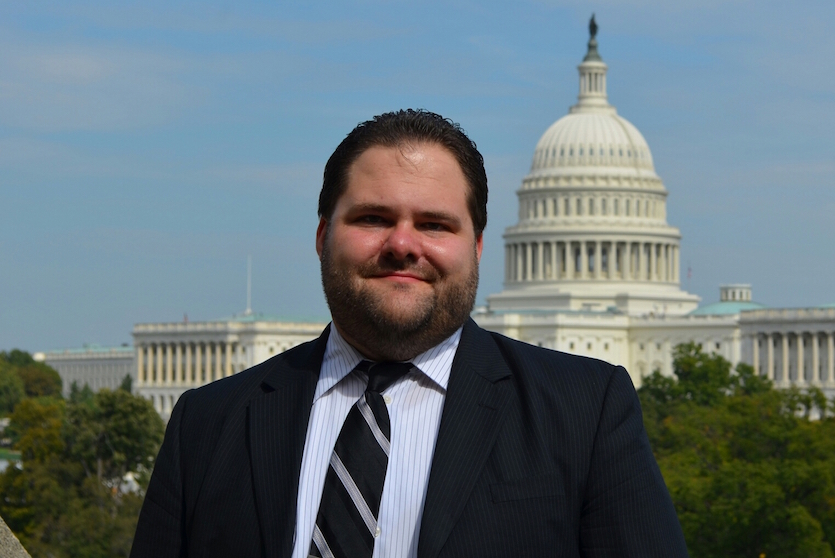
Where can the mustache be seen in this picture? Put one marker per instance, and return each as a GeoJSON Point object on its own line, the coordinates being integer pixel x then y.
{"type": "Point", "coordinates": [383, 266]}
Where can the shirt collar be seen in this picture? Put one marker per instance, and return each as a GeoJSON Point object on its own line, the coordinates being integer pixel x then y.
{"type": "Point", "coordinates": [341, 358]}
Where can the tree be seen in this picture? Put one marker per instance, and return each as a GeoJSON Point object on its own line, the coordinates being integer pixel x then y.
{"type": "Point", "coordinates": [68, 498]}
{"type": "Point", "coordinates": [11, 388]}
{"type": "Point", "coordinates": [127, 384]}
{"type": "Point", "coordinates": [39, 379]}
{"type": "Point", "coordinates": [749, 472]}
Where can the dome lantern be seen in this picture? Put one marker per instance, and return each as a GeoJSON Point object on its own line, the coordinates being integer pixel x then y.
{"type": "Point", "coordinates": [592, 97]}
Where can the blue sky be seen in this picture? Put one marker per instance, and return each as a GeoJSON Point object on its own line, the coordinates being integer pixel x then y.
{"type": "Point", "coordinates": [146, 148]}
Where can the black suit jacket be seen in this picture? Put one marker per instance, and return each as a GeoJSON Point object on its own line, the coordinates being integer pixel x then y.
{"type": "Point", "coordinates": [539, 453]}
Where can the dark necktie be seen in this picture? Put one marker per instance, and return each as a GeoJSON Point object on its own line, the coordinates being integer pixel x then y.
{"type": "Point", "coordinates": [346, 525]}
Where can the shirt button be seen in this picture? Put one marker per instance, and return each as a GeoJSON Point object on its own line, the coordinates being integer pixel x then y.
{"type": "Point", "coordinates": [377, 532]}
{"type": "Point", "coordinates": [387, 399]}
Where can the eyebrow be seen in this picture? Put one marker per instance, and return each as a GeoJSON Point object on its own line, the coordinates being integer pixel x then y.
{"type": "Point", "coordinates": [442, 216]}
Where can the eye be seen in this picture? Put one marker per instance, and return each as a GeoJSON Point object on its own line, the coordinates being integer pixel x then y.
{"type": "Point", "coordinates": [370, 219]}
{"type": "Point", "coordinates": [435, 227]}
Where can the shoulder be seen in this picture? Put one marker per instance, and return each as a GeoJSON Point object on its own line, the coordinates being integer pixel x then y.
{"type": "Point", "coordinates": [223, 396]}
{"type": "Point", "coordinates": [547, 365]}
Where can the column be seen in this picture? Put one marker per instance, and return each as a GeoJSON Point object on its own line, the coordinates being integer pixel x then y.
{"type": "Point", "coordinates": [555, 270]}
{"type": "Point", "coordinates": [598, 259]}
{"type": "Point", "coordinates": [769, 372]}
{"type": "Point", "coordinates": [627, 261]}
{"type": "Point", "coordinates": [830, 358]}
{"type": "Point", "coordinates": [218, 369]}
{"type": "Point", "coordinates": [653, 262]}
{"type": "Point", "coordinates": [613, 259]}
{"type": "Point", "coordinates": [228, 362]}
{"type": "Point", "coordinates": [168, 363]}
{"type": "Point", "coordinates": [570, 271]}
{"type": "Point", "coordinates": [801, 374]}
{"type": "Point", "coordinates": [140, 365]}
{"type": "Point", "coordinates": [816, 375]}
{"type": "Point", "coordinates": [178, 363]}
{"type": "Point", "coordinates": [517, 249]}
{"type": "Point", "coordinates": [188, 367]}
{"type": "Point", "coordinates": [528, 262]}
{"type": "Point", "coordinates": [198, 363]}
{"type": "Point", "coordinates": [156, 377]}
{"type": "Point", "coordinates": [785, 355]}
{"type": "Point", "coordinates": [508, 253]}
{"type": "Point", "coordinates": [642, 262]}
{"type": "Point", "coordinates": [755, 344]}
{"type": "Point", "coordinates": [540, 262]}
{"type": "Point", "coordinates": [584, 260]}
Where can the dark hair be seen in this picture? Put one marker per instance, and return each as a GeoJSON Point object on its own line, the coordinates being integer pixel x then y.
{"type": "Point", "coordinates": [393, 129]}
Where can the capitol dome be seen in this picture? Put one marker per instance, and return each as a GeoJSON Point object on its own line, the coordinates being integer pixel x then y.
{"type": "Point", "coordinates": [592, 139]}
{"type": "Point", "coordinates": [592, 232]}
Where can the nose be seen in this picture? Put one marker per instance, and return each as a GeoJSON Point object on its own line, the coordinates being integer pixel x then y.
{"type": "Point", "coordinates": [403, 242]}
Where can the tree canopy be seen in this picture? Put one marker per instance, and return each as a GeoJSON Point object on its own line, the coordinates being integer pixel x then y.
{"type": "Point", "coordinates": [751, 469]}
{"type": "Point", "coordinates": [70, 498]}
{"type": "Point", "coordinates": [39, 379]}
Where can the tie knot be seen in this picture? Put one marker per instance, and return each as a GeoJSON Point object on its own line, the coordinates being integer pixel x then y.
{"type": "Point", "coordinates": [382, 374]}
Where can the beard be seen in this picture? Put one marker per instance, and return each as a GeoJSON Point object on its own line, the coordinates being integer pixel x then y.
{"type": "Point", "coordinates": [384, 329]}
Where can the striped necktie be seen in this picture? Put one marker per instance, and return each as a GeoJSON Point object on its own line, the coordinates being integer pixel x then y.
{"type": "Point", "coordinates": [346, 525]}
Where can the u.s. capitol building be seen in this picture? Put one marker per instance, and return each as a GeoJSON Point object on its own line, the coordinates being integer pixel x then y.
{"type": "Point", "coordinates": [592, 267]}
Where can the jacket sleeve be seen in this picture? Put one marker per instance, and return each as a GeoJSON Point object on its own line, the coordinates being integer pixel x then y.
{"type": "Point", "coordinates": [160, 532]}
{"type": "Point", "coordinates": [627, 510]}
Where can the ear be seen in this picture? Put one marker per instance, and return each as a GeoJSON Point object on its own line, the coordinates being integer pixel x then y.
{"type": "Point", "coordinates": [479, 244]}
{"type": "Point", "coordinates": [321, 233]}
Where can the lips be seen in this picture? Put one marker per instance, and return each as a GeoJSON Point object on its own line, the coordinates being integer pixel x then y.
{"type": "Point", "coordinates": [401, 276]}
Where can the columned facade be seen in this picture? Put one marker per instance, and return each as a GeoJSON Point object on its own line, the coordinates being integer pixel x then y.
{"type": "Point", "coordinates": [171, 358]}
{"type": "Point", "coordinates": [792, 347]}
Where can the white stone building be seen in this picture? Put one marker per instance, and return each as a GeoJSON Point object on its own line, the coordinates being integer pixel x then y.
{"type": "Point", "coordinates": [592, 266]}
{"type": "Point", "coordinates": [95, 366]}
{"type": "Point", "coordinates": [174, 357]}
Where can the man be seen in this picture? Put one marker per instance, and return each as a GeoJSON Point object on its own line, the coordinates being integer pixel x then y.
{"type": "Point", "coordinates": [405, 430]}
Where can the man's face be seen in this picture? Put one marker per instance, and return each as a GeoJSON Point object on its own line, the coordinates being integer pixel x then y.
{"type": "Point", "coordinates": [399, 254]}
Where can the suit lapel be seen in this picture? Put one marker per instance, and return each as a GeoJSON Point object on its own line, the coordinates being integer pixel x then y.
{"type": "Point", "coordinates": [276, 433]}
{"type": "Point", "coordinates": [473, 412]}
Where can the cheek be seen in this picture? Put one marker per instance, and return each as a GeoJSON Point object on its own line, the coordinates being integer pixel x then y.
{"type": "Point", "coordinates": [357, 247]}
{"type": "Point", "coordinates": [450, 257]}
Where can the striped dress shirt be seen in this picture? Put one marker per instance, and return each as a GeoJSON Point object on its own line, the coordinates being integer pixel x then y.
{"type": "Point", "coordinates": [415, 403]}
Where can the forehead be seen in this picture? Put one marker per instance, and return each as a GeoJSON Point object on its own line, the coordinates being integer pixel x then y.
{"type": "Point", "coordinates": [414, 170]}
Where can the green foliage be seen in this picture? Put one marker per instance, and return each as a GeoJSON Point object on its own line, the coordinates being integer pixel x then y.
{"type": "Point", "coordinates": [68, 498]}
{"type": "Point", "coordinates": [82, 395]}
{"type": "Point", "coordinates": [39, 379]}
{"type": "Point", "coordinates": [750, 473]}
{"type": "Point", "coordinates": [11, 388]}
{"type": "Point", "coordinates": [127, 384]}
